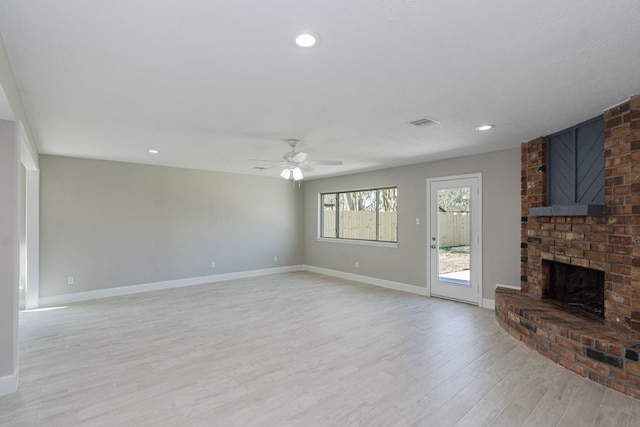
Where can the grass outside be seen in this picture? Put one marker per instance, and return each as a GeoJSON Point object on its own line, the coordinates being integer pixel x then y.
{"type": "Point", "coordinates": [455, 258]}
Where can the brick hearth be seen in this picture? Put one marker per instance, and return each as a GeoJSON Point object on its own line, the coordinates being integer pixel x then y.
{"type": "Point", "coordinates": [586, 347]}
{"type": "Point", "coordinates": [606, 352]}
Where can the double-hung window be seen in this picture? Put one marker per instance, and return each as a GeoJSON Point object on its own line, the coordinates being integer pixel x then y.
{"type": "Point", "coordinates": [370, 215]}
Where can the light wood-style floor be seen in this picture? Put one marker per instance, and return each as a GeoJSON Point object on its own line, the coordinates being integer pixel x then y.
{"type": "Point", "coordinates": [296, 349]}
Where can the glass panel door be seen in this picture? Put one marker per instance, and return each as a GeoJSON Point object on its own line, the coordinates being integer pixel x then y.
{"type": "Point", "coordinates": [454, 257]}
{"type": "Point", "coordinates": [454, 238]}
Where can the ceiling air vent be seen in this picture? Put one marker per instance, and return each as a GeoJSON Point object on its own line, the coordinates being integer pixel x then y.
{"type": "Point", "coordinates": [425, 121]}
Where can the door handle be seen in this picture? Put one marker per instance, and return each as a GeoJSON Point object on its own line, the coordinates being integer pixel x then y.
{"type": "Point", "coordinates": [433, 246]}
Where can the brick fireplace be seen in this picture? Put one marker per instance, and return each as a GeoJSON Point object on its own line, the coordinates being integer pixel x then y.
{"type": "Point", "coordinates": [608, 350]}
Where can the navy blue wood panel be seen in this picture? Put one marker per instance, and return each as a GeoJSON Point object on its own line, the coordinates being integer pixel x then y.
{"type": "Point", "coordinates": [590, 163]}
{"type": "Point", "coordinates": [561, 165]}
{"type": "Point", "coordinates": [575, 165]}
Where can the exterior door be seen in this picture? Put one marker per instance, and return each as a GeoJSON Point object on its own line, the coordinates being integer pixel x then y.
{"type": "Point", "coordinates": [454, 239]}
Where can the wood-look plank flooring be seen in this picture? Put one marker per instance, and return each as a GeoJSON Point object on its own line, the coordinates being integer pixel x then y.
{"type": "Point", "coordinates": [296, 349]}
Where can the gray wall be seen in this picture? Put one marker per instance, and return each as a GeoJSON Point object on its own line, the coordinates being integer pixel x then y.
{"type": "Point", "coordinates": [111, 224]}
{"type": "Point", "coordinates": [9, 188]}
{"type": "Point", "coordinates": [408, 262]}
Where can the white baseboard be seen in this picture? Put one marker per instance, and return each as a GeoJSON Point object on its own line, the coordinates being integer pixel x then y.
{"type": "Point", "coordinates": [486, 303]}
{"type": "Point", "coordinates": [516, 288]}
{"type": "Point", "coordinates": [489, 304]}
{"type": "Point", "coordinates": [192, 281]}
{"type": "Point", "coordinates": [9, 383]}
{"type": "Point", "coordinates": [156, 286]}
{"type": "Point", "coordinates": [369, 280]}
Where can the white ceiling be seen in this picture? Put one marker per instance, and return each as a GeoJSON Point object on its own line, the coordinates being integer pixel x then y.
{"type": "Point", "coordinates": [212, 84]}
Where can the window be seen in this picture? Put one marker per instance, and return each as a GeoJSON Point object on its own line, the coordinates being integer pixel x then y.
{"type": "Point", "coordinates": [360, 215]}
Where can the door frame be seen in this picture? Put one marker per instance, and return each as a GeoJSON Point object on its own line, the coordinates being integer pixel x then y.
{"type": "Point", "coordinates": [476, 218]}
{"type": "Point", "coordinates": [30, 210]}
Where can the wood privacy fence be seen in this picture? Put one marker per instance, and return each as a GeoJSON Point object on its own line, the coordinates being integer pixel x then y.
{"type": "Point", "coordinates": [362, 225]}
{"type": "Point", "coordinates": [453, 229]}
{"type": "Point", "coordinates": [454, 226]}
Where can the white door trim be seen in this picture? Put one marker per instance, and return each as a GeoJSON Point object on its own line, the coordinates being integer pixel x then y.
{"type": "Point", "coordinates": [476, 231]}
{"type": "Point", "coordinates": [29, 160]}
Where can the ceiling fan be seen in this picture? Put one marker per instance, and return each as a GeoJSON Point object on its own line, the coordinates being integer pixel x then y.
{"type": "Point", "coordinates": [295, 161]}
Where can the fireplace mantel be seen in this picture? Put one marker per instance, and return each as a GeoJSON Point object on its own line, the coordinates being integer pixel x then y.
{"type": "Point", "coordinates": [568, 210]}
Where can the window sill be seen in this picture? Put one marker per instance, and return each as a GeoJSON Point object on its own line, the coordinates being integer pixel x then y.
{"type": "Point", "coordinates": [359, 242]}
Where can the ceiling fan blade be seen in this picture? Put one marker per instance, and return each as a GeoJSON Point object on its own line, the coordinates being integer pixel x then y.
{"type": "Point", "coordinates": [263, 160]}
{"type": "Point", "coordinates": [300, 157]}
{"type": "Point", "coordinates": [273, 162]}
{"type": "Point", "coordinates": [324, 162]}
{"type": "Point", "coordinates": [264, 168]}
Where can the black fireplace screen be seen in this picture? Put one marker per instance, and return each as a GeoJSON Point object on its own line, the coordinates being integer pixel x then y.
{"type": "Point", "coordinates": [579, 288]}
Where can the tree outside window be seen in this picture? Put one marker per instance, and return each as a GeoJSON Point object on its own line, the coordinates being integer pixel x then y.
{"type": "Point", "coordinates": [361, 215]}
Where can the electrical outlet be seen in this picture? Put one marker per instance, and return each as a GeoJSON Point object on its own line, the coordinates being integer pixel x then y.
{"type": "Point", "coordinates": [275, 258]}
{"type": "Point", "coordinates": [417, 221]}
{"type": "Point", "coordinates": [357, 264]}
{"type": "Point", "coordinates": [70, 280]}
{"type": "Point", "coordinates": [213, 264]}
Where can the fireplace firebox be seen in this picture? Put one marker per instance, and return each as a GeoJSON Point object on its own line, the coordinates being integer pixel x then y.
{"type": "Point", "coordinates": [577, 288]}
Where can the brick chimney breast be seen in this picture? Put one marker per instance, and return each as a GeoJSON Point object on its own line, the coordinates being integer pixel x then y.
{"type": "Point", "coordinates": [606, 351]}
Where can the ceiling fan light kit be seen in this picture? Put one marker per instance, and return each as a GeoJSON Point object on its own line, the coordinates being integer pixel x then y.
{"type": "Point", "coordinates": [297, 174]}
{"type": "Point", "coordinates": [289, 173]}
{"type": "Point", "coordinates": [286, 174]}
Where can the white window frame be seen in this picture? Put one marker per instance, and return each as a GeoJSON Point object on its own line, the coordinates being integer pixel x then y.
{"type": "Point", "coordinates": [338, 239]}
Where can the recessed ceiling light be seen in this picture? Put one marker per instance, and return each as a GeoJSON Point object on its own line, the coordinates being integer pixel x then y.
{"type": "Point", "coordinates": [153, 151]}
{"type": "Point", "coordinates": [305, 40]}
{"type": "Point", "coordinates": [485, 127]}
